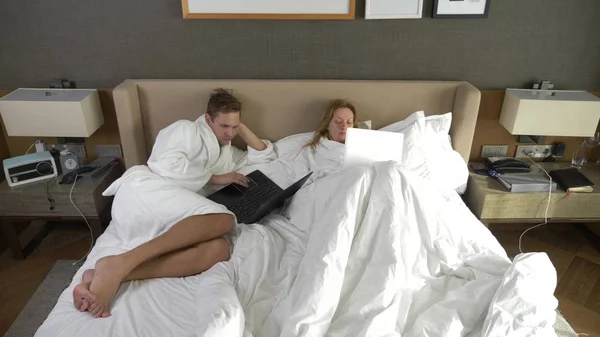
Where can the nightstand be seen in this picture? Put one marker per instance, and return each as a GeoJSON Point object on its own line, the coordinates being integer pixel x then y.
{"type": "Point", "coordinates": [30, 205]}
{"type": "Point", "coordinates": [491, 203]}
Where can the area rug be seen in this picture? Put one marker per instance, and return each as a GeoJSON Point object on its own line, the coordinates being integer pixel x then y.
{"type": "Point", "coordinates": [43, 300]}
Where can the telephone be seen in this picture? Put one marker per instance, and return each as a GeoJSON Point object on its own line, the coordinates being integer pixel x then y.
{"type": "Point", "coordinates": [507, 165]}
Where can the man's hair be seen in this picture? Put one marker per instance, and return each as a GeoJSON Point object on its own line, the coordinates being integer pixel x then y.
{"type": "Point", "coordinates": [222, 101]}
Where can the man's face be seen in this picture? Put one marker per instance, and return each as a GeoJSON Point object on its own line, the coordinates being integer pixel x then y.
{"type": "Point", "coordinates": [224, 126]}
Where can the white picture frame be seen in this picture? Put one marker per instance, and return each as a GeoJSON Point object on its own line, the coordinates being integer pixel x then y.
{"type": "Point", "coordinates": [463, 9]}
{"type": "Point", "coordinates": [394, 9]}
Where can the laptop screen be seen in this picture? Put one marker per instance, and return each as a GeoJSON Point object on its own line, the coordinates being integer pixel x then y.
{"type": "Point", "coordinates": [364, 147]}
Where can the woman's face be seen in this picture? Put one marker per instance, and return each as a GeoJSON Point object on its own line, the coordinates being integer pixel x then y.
{"type": "Point", "coordinates": [342, 119]}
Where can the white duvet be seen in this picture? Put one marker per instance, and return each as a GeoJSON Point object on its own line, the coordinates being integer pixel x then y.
{"type": "Point", "coordinates": [367, 251]}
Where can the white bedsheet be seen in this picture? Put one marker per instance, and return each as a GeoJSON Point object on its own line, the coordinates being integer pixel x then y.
{"type": "Point", "coordinates": [363, 252]}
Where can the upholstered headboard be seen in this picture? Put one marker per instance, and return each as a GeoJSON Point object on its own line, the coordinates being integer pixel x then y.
{"type": "Point", "coordinates": [274, 109]}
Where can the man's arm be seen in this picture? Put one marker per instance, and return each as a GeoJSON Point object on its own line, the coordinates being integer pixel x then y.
{"type": "Point", "coordinates": [250, 138]}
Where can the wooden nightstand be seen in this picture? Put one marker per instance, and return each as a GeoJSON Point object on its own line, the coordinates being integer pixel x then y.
{"type": "Point", "coordinates": [491, 203]}
{"type": "Point", "coordinates": [29, 203]}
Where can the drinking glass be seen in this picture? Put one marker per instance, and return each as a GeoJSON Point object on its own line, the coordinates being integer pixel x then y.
{"type": "Point", "coordinates": [583, 150]}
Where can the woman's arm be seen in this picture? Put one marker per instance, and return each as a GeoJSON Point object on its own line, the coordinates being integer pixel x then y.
{"type": "Point", "coordinates": [250, 138]}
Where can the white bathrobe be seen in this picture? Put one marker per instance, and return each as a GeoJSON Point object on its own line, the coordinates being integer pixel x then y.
{"type": "Point", "coordinates": [188, 153]}
{"type": "Point", "coordinates": [150, 199]}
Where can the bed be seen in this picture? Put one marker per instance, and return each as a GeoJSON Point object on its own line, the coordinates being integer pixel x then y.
{"type": "Point", "coordinates": [342, 280]}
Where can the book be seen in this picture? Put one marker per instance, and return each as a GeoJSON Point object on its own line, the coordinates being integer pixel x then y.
{"type": "Point", "coordinates": [525, 182]}
{"type": "Point", "coordinates": [571, 180]}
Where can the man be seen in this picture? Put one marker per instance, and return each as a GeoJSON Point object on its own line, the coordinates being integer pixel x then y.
{"type": "Point", "coordinates": [190, 155]}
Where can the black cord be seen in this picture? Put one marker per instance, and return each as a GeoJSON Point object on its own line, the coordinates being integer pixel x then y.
{"type": "Point", "coordinates": [483, 171]}
{"type": "Point", "coordinates": [50, 198]}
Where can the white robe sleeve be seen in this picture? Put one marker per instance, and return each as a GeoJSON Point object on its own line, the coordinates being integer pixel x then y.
{"type": "Point", "coordinates": [183, 153]}
{"type": "Point", "coordinates": [252, 156]}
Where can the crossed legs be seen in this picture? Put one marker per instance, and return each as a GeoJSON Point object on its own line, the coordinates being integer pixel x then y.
{"type": "Point", "coordinates": [190, 247]}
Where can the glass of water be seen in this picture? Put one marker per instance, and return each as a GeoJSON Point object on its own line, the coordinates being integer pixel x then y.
{"type": "Point", "coordinates": [583, 150]}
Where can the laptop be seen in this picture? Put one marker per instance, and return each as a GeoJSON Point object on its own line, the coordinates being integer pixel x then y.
{"type": "Point", "coordinates": [364, 147]}
{"type": "Point", "coordinates": [261, 197]}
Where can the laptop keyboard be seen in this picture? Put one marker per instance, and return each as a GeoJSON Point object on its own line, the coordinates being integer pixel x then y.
{"type": "Point", "coordinates": [251, 201]}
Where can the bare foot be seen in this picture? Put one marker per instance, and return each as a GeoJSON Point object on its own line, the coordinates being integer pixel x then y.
{"type": "Point", "coordinates": [82, 296]}
{"type": "Point", "coordinates": [109, 273]}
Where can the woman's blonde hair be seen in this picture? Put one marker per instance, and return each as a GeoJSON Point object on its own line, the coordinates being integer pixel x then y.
{"type": "Point", "coordinates": [322, 128]}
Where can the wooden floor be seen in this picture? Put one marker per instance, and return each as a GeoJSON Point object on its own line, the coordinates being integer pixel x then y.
{"type": "Point", "coordinates": [577, 265]}
{"type": "Point", "coordinates": [20, 279]}
{"type": "Point", "coordinates": [575, 258]}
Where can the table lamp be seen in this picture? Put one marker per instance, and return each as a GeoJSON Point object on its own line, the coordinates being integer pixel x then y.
{"type": "Point", "coordinates": [69, 113]}
{"type": "Point", "coordinates": [534, 114]}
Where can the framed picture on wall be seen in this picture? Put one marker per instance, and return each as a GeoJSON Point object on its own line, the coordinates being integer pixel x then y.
{"type": "Point", "coordinates": [269, 9]}
{"type": "Point", "coordinates": [394, 9]}
{"type": "Point", "coordinates": [461, 8]}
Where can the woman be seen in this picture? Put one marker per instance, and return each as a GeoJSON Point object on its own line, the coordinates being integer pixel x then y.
{"type": "Point", "coordinates": [340, 115]}
{"type": "Point", "coordinates": [324, 152]}
{"type": "Point", "coordinates": [323, 155]}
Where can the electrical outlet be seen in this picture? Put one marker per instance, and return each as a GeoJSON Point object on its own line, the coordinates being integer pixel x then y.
{"type": "Point", "coordinates": [536, 151]}
{"type": "Point", "coordinates": [78, 149]}
{"type": "Point", "coordinates": [109, 151]}
{"type": "Point", "coordinates": [494, 151]}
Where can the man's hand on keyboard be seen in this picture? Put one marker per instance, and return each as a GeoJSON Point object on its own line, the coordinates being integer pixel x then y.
{"type": "Point", "coordinates": [229, 178]}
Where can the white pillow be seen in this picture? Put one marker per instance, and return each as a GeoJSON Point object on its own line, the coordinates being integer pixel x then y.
{"type": "Point", "coordinates": [401, 125]}
{"type": "Point", "coordinates": [364, 125]}
{"type": "Point", "coordinates": [428, 152]}
{"type": "Point", "coordinates": [446, 166]}
{"type": "Point", "coordinates": [413, 155]}
{"type": "Point", "coordinates": [290, 146]}
{"type": "Point", "coordinates": [439, 123]}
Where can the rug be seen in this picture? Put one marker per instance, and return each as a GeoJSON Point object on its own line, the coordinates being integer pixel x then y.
{"type": "Point", "coordinates": [44, 299]}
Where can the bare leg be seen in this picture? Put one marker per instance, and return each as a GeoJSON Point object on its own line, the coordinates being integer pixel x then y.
{"type": "Point", "coordinates": [112, 270]}
{"type": "Point", "coordinates": [185, 262]}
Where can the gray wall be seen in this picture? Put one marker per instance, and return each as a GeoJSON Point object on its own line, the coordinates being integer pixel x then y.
{"type": "Point", "coordinates": [99, 43]}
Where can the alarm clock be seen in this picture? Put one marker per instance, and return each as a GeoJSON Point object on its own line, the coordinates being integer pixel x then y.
{"type": "Point", "coordinates": [69, 163]}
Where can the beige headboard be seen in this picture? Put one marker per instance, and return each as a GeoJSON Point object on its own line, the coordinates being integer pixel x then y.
{"type": "Point", "coordinates": [274, 109]}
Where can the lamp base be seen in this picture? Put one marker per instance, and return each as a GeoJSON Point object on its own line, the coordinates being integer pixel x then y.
{"type": "Point", "coordinates": [70, 140]}
{"type": "Point", "coordinates": [532, 139]}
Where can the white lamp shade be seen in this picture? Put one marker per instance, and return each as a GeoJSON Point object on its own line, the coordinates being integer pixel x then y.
{"type": "Point", "coordinates": [52, 112]}
{"type": "Point", "coordinates": [550, 113]}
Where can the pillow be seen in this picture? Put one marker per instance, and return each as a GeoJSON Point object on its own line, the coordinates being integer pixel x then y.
{"type": "Point", "coordinates": [401, 125]}
{"type": "Point", "coordinates": [290, 146]}
{"type": "Point", "coordinates": [446, 166]}
{"type": "Point", "coordinates": [428, 152]}
{"type": "Point", "coordinates": [364, 125]}
{"type": "Point", "coordinates": [413, 155]}
{"type": "Point", "coordinates": [439, 123]}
